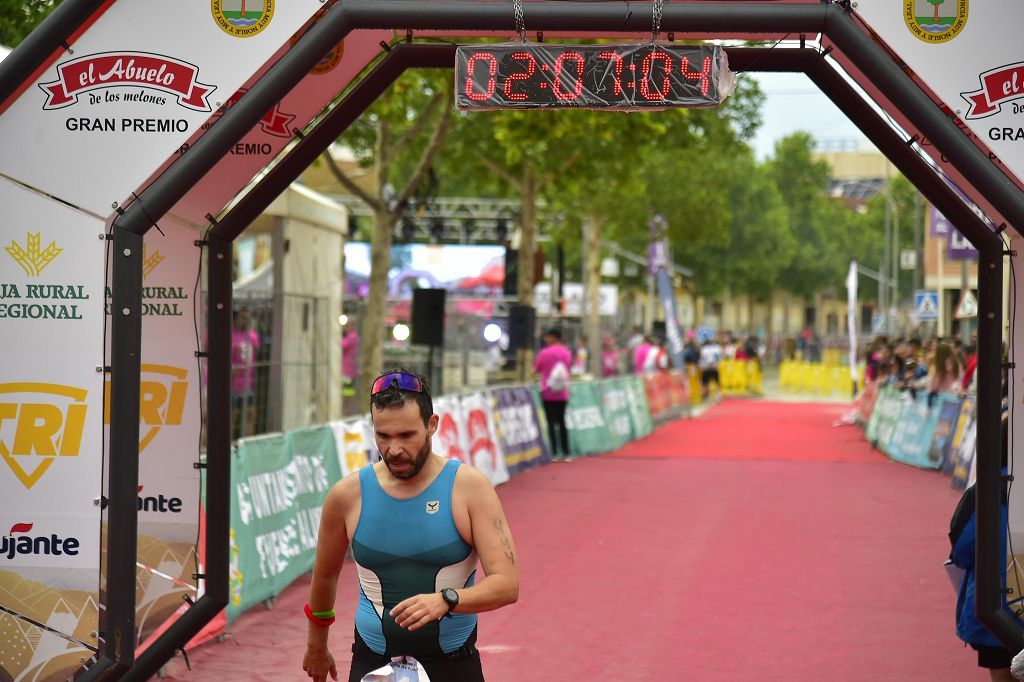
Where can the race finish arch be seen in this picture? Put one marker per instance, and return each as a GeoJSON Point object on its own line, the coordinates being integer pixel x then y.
{"type": "Point", "coordinates": [118, 117]}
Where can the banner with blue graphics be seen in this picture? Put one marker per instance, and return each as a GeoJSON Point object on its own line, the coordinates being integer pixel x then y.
{"type": "Point", "coordinates": [885, 416]}
{"type": "Point", "coordinates": [519, 430]}
{"type": "Point", "coordinates": [949, 414]}
{"type": "Point", "coordinates": [911, 441]}
{"type": "Point", "coordinates": [674, 338]}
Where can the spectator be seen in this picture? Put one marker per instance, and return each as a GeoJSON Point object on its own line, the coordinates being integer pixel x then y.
{"type": "Point", "coordinates": [609, 359]}
{"type": "Point", "coordinates": [552, 364]}
{"type": "Point", "coordinates": [656, 358]}
{"type": "Point", "coordinates": [349, 352]}
{"type": "Point", "coordinates": [970, 366]}
{"type": "Point", "coordinates": [580, 358]}
{"type": "Point", "coordinates": [962, 534]}
{"type": "Point", "coordinates": [710, 356]}
{"type": "Point", "coordinates": [691, 353]}
{"type": "Point", "coordinates": [945, 372]}
{"type": "Point", "coordinates": [244, 343]}
{"type": "Point", "coordinates": [634, 342]}
{"type": "Point", "coordinates": [640, 355]}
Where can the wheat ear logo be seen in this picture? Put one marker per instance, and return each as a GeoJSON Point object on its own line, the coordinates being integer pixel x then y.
{"type": "Point", "coordinates": [32, 259]}
{"type": "Point", "coordinates": [150, 261]}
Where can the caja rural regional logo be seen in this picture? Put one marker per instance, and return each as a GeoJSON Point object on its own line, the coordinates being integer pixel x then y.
{"type": "Point", "coordinates": [240, 18]}
{"type": "Point", "coordinates": [130, 70]}
{"type": "Point", "coordinates": [33, 259]}
{"type": "Point", "coordinates": [935, 21]}
{"type": "Point", "coordinates": [163, 390]}
{"type": "Point", "coordinates": [39, 423]}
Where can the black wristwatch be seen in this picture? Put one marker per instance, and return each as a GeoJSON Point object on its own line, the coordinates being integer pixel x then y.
{"type": "Point", "coordinates": [451, 598]}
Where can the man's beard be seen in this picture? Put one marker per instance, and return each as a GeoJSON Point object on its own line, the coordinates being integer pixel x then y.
{"type": "Point", "coordinates": [417, 462]}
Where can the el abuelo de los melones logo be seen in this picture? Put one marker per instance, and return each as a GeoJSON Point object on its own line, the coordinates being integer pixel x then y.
{"type": "Point", "coordinates": [935, 21]}
{"type": "Point", "coordinates": [127, 79]}
{"type": "Point", "coordinates": [40, 423]}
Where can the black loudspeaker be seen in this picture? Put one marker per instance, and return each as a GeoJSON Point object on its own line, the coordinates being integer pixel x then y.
{"type": "Point", "coordinates": [511, 284]}
{"type": "Point", "coordinates": [428, 317]}
{"type": "Point", "coordinates": [522, 322]}
{"type": "Point", "coordinates": [658, 329]}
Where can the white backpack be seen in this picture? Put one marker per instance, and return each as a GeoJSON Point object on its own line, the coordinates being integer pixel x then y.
{"type": "Point", "coordinates": [558, 379]}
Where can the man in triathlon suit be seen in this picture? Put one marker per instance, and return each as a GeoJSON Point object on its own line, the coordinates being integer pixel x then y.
{"type": "Point", "coordinates": [416, 524]}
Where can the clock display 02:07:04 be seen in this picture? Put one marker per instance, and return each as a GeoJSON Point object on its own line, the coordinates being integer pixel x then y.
{"type": "Point", "coordinates": [633, 76]}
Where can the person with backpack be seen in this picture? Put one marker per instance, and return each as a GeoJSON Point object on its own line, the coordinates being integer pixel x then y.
{"type": "Point", "coordinates": [962, 535]}
{"type": "Point", "coordinates": [552, 364]}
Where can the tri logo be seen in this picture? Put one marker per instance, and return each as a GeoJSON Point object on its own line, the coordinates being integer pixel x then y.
{"type": "Point", "coordinates": [163, 390]}
{"type": "Point", "coordinates": [39, 422]}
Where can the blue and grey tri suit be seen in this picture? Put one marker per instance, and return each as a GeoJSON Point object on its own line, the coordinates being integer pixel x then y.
{"type": "Point", "coordinates": [407, 547]}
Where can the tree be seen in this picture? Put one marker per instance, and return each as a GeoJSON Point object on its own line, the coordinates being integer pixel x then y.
{"type": "Point", "coordinates": [936, 3]}
{"type": "Point", "coordinates": [19, 17]}
{"type": "Point", "coordinates": [416, 113]}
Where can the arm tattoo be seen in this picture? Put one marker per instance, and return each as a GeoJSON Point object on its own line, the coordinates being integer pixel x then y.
{"type": "Point", "coordinates": [500, 526]}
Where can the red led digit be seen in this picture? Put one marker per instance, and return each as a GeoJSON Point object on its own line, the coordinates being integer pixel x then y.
{"type": "Point", "coordinates": [531, 68]}
{"type": "Point", "coordinates": [492, 68]}
{"type": "Point", "coordinates": [648, 61]}
{"type": "Point", "coordinates": [701, 76]}
{"type": "Point", "coordinates": [578, 88]}
{"type": "Point", "coordinates": [617, 58]}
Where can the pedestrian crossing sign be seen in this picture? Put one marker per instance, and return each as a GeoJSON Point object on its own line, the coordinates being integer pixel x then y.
{"type": "Point", "coordinates": [926, 305]}
{"type": "Point", "coordinates": [967, 307]}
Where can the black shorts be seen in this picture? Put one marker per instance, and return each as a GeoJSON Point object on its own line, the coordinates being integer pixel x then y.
{"type": "Point", "coordinates": [462, 665]}
{"type": "Point", "coordinates": [709, 375]}
{"type": "Point", "coordinates": [992, 657]}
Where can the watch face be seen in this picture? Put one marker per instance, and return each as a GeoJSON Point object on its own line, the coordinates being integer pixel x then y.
{"type": "Point", "coordinates": [450, 595]}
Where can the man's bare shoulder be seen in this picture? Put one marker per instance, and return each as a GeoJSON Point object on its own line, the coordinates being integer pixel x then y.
{"type": "Point", "coordinates": [345, 492]}
{"type": "Point", "coordinates": [471, 480]}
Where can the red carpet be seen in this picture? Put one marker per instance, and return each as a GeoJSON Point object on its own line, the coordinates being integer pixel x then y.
{"type": "Point", "coordinates": [751, 429]}
{"type": "Point", "coordinates": [696, 565]}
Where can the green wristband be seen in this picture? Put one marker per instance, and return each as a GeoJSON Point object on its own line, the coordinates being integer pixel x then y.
{"type": "Point", "coordinates": [324, 615]}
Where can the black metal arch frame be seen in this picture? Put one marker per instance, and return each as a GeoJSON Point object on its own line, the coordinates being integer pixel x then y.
{"type": "Point", "coordinates": [830, 19]}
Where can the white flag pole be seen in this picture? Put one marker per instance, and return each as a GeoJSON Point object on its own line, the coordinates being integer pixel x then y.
{"type": "Point", "coordinates": [851, 319]}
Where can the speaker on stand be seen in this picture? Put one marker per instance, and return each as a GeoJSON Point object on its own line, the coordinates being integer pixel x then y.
{"type": "Point", "coordinates": [428, 326]}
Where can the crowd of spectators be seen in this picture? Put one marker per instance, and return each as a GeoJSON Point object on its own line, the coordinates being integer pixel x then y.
{"type": "Point", "coordinates": [938, 365]}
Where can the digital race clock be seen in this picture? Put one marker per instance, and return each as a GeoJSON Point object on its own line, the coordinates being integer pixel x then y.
{"type": "Point", "coordinates": [621, 76]}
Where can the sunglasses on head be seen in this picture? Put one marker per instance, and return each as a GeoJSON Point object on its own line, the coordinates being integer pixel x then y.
{"type": "Point", "coordinates": [405, 381]}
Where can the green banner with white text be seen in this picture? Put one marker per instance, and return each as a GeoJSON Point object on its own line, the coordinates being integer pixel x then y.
{"type": "Point", "coordinates": [280, 484]}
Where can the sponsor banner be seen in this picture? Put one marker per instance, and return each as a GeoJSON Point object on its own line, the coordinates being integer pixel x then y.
{"type": "Point", "coordinates": [51, 425]}
{"type": "Point", "coordinates": [866, 402]}
{"type": "Point", "coordinates": [482, 441]}
{"type": "Point", "coordinates": [169, 426]}
{"type": "Point", "coordinates": [657, 398]}
{"type": "Point", "coordinates": [639, 414]}
{"type": "Point", "coordinates": [912, 438]}
{"type": "Point", "coordinates": [677, 387]}
{"type": "Point", "coordinates": [450, 439]}
{"type": "Point", "coordinates": [519, 429]}
{"type": "Point", "coordinates": [949, 415]}
{"type": "Point", "coordinates": [353, 441]}
{"type": "Point", "coordinates": [279, 486]}
{"type": "Point", "coordinates": [1016, 400]}
{"type": "Point", "coordinates": [615, 406]}
{"type": "Point", "coordinates": [542, 419]}
{"type": "Point", "coordinates": [247, 158]}
{"type": "Point", "coordinates": [883, 420]}
{"type": "Point", "coordinates": [674, 338]}
{"type": "Point", "coordinates": [966, 52]}
{"type": "Point", "coordinates": [963, 462]}
{"type": "Point", "coordinates": [588, 430]}
{"type": "Point", "coordinates": [133, 91]}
